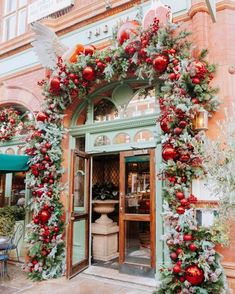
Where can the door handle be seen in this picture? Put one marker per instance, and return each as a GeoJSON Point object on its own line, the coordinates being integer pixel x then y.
{"type": "Point", "coordinates": [72, 218]}
{"type": "Point", "coordinates": [122, 209]}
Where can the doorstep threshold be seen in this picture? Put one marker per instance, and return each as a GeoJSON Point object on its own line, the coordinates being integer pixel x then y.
{"type": "Point", "coordinates": [113, 274]}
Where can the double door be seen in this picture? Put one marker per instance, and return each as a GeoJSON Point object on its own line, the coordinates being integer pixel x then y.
{"type": "Point", "coordinates": [136, 213]}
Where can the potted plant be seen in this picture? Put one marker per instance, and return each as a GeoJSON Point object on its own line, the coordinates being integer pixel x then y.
{"type": "Point", "coordinates": [221, 175]}
{"type": "Point", "coordinates": [104, 196]}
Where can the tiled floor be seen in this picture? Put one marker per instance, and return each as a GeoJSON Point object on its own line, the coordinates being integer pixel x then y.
{"type": "Point", "coordinates": [81, 284]}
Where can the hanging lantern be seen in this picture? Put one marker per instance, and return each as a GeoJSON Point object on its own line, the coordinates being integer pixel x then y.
{"type": "Point", "coordinates": [200, 121]}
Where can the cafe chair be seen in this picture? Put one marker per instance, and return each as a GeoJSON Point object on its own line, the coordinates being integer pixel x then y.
{"type": "Point", "coordinates": [14, 240]}
{"type": "Point", "coordinates": [3, 264]}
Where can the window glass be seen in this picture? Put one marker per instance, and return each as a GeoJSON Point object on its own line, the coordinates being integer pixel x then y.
{"type": "Point", "coordinates": [140, 105]}
{"type": "Point", "coordinates": [21, 22]}
{"type": "Point", "coordinates": [22, 3]}
{"type": "Point", "coordinates": [105, 110]}
{"type": "Point", "coordinates": [144, 136]}
{"type": "Point", "coordinates": [101, 141]}
{"type": "Point", "coordinates": [10, 5]}
{"type": "Point", "coordinates": [121, 138]}
{"type": "Point", "coordinates": [9, 27]}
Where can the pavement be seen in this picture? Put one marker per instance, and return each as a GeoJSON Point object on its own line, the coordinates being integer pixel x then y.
{"type": "Point", "coordinates": [84, 283]}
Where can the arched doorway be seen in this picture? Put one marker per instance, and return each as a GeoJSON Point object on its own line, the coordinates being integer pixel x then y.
{"type": "Point", "coordinates": [115, 129]}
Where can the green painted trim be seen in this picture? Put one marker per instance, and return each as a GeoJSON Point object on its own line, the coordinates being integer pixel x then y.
{"type": "Point", "coordinates": [18, 140]}
{"type": "Point", "coordinates": [159, 221]}
{"type": "Point", "coordinates": [115, 125]}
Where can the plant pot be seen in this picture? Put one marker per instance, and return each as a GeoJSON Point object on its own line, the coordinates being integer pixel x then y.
{"type": "Point", "coordinates": [104, 207]}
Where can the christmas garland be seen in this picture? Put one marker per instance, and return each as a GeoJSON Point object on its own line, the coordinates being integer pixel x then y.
{"type": "Point", "coordinates": [10, 124]}
{"type": "Point", "coordinates": [156, 54]}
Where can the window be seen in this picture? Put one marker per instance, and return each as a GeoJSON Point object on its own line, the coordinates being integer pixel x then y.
{"type": "Point", "coordinates": [14, 18]}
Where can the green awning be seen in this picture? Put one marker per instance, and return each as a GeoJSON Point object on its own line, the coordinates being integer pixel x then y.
{"type": "Point", "coordinates": [13, 163]}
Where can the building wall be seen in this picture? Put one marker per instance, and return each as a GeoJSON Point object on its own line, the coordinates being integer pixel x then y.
{"type": "Point", "coordinates": [20, 70]}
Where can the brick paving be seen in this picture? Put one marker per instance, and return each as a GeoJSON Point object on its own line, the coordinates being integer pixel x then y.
{"type": "Point", "coordinates": [81, 284]}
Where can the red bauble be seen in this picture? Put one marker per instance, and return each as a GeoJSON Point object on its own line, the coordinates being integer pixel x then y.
{"type": "Point", "coordinates": [44, 216]}
{"type": "Point", "coordinates": [160, 62]}
{"type": "Point", "coordinates": [176, 269]}
{"type": "Point", "coordinates": [179, 195]}
{"type": "Point", "coordinates": [192, 199]}
{"type": "Point", "coordinates": [169, 153]}
{"type": "Point", "coordinates": [195, 81]}
{"type": "Point", "coordinates": [177, 131]}
{"type": "Point", "coordinates": [43, 150]}
{"type": "Point", "coordinates": [188, 237]}
{"type": "Point", "coordinates": [165, 125]}
{"type": "Point", "coordinates": [184, 158]}
{"type": "Point", "coordinates": [184, 202]}
{"type": "Point", "coordinates": [89, 50]}
{"type": "Point", "coordinates": [172, 76]}
{"type": "Point", "coordinates": [192, 247]}
{"type": "Point", "coordinates": [55, 85]}
{"type": "Point", "coordinates": [194, 275]}
{"type": "Point", "coordinates": [173, 256]}
{"type": "Point", "coordinates": [126, 30]}
{"type": "Point", "coordinates": [182, 124]}
{"type": "Point", "coordinates": [48, 145]}
{"type": "Point", "coordinates": [36, 220]}
{"type": "Point", "coordinates": [180, 210]}
{"type": "Point", "coordinates": [41, 116]}
{"type": "Point", "coordinates": [88, 73]}
{"type": "Point", "coordinates": [179, 251]}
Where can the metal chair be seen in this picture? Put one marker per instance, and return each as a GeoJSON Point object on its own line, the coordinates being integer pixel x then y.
{"type": "Point", "coordinates": [3, 264]}
{"type": "Point", "coordinates": [13, 242]}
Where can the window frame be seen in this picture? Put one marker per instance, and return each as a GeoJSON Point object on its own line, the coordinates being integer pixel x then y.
{"type": "Point", "coordinates": [16, 12]}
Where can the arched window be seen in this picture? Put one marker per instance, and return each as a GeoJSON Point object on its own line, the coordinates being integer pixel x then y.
{"type": "Point", "coordinates": [121, 138]}
{"type": "Point", "coordinates": [141, 105]}
{"type": "Point", "coordinates": [104, 110]}
{"type": "Point", "coordinates": [102, 141]}
{"type": "Point", "coordinates": [144, 136]}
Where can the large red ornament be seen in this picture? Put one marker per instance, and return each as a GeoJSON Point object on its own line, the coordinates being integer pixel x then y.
{"type": "Point", "coordinates": [89, 50]}
{"type": "Point", "coordinates": [88, 73]}
{"type": "Point", "coordinates": [41, 116]}
{"type": "Point", "coordinates": [194, 275]}
{"type": "Point", "coordinates": [126, 30]}
{"type": "Point", "coordinates": [44, 216]}
{"type": "Point", "coordinates": [160, 62]}
{"type": "Point", "coordinates": [55, 85]}
{"type": "Point", "coordinates": [169, 153]}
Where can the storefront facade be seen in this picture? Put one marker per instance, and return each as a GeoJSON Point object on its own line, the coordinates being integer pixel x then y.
{"type": "Point", "coordinates": [114, 130]}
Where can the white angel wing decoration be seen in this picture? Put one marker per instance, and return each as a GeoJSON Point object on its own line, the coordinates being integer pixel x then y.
{"type": "Point", "coordinates": [47, 45]}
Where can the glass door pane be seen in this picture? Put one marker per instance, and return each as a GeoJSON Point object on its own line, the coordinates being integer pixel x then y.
{"type": "Point", "coordinates": [79, 241]}
{"type": "Point", "coordinates": [137, 245]}
{"type": "Point", "coordinates": [137, 184]}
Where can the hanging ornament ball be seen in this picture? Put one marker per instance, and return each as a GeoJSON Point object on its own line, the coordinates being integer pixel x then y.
{"type": "Point", "coordinates": [44, 215]}
{"type": "Point", "coordinates": [126, 30]}
{"type": "Point", "coordinates": [169, 153]}
{"type": "Point", "coordinates": [180, 210]}
{"type": "Point", "coordinates": [160, 62]}
{"type": "Point", "coordinates": [188, 237]}
{"type": "Point", "coordinates": [177, 269]}
{"type": "Point", "coordinates": [179, 195]}
{"type": "Point", "coordinates": [192, 247]}
{"type": "Point", "coordinates": [194, 275]}
{"type": "Point", "coordinates": [55, 85]}
{"type": "Point", "coordinates": [88, 73]}
{"type": "Point", "coordinates": [89, 50]}
{"type": "Point", "coordinates": [165, 125]}
{"type": "Point", "coordinates": [41, 116]}
{"type": "Point", "coordinates": [173, 256]}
